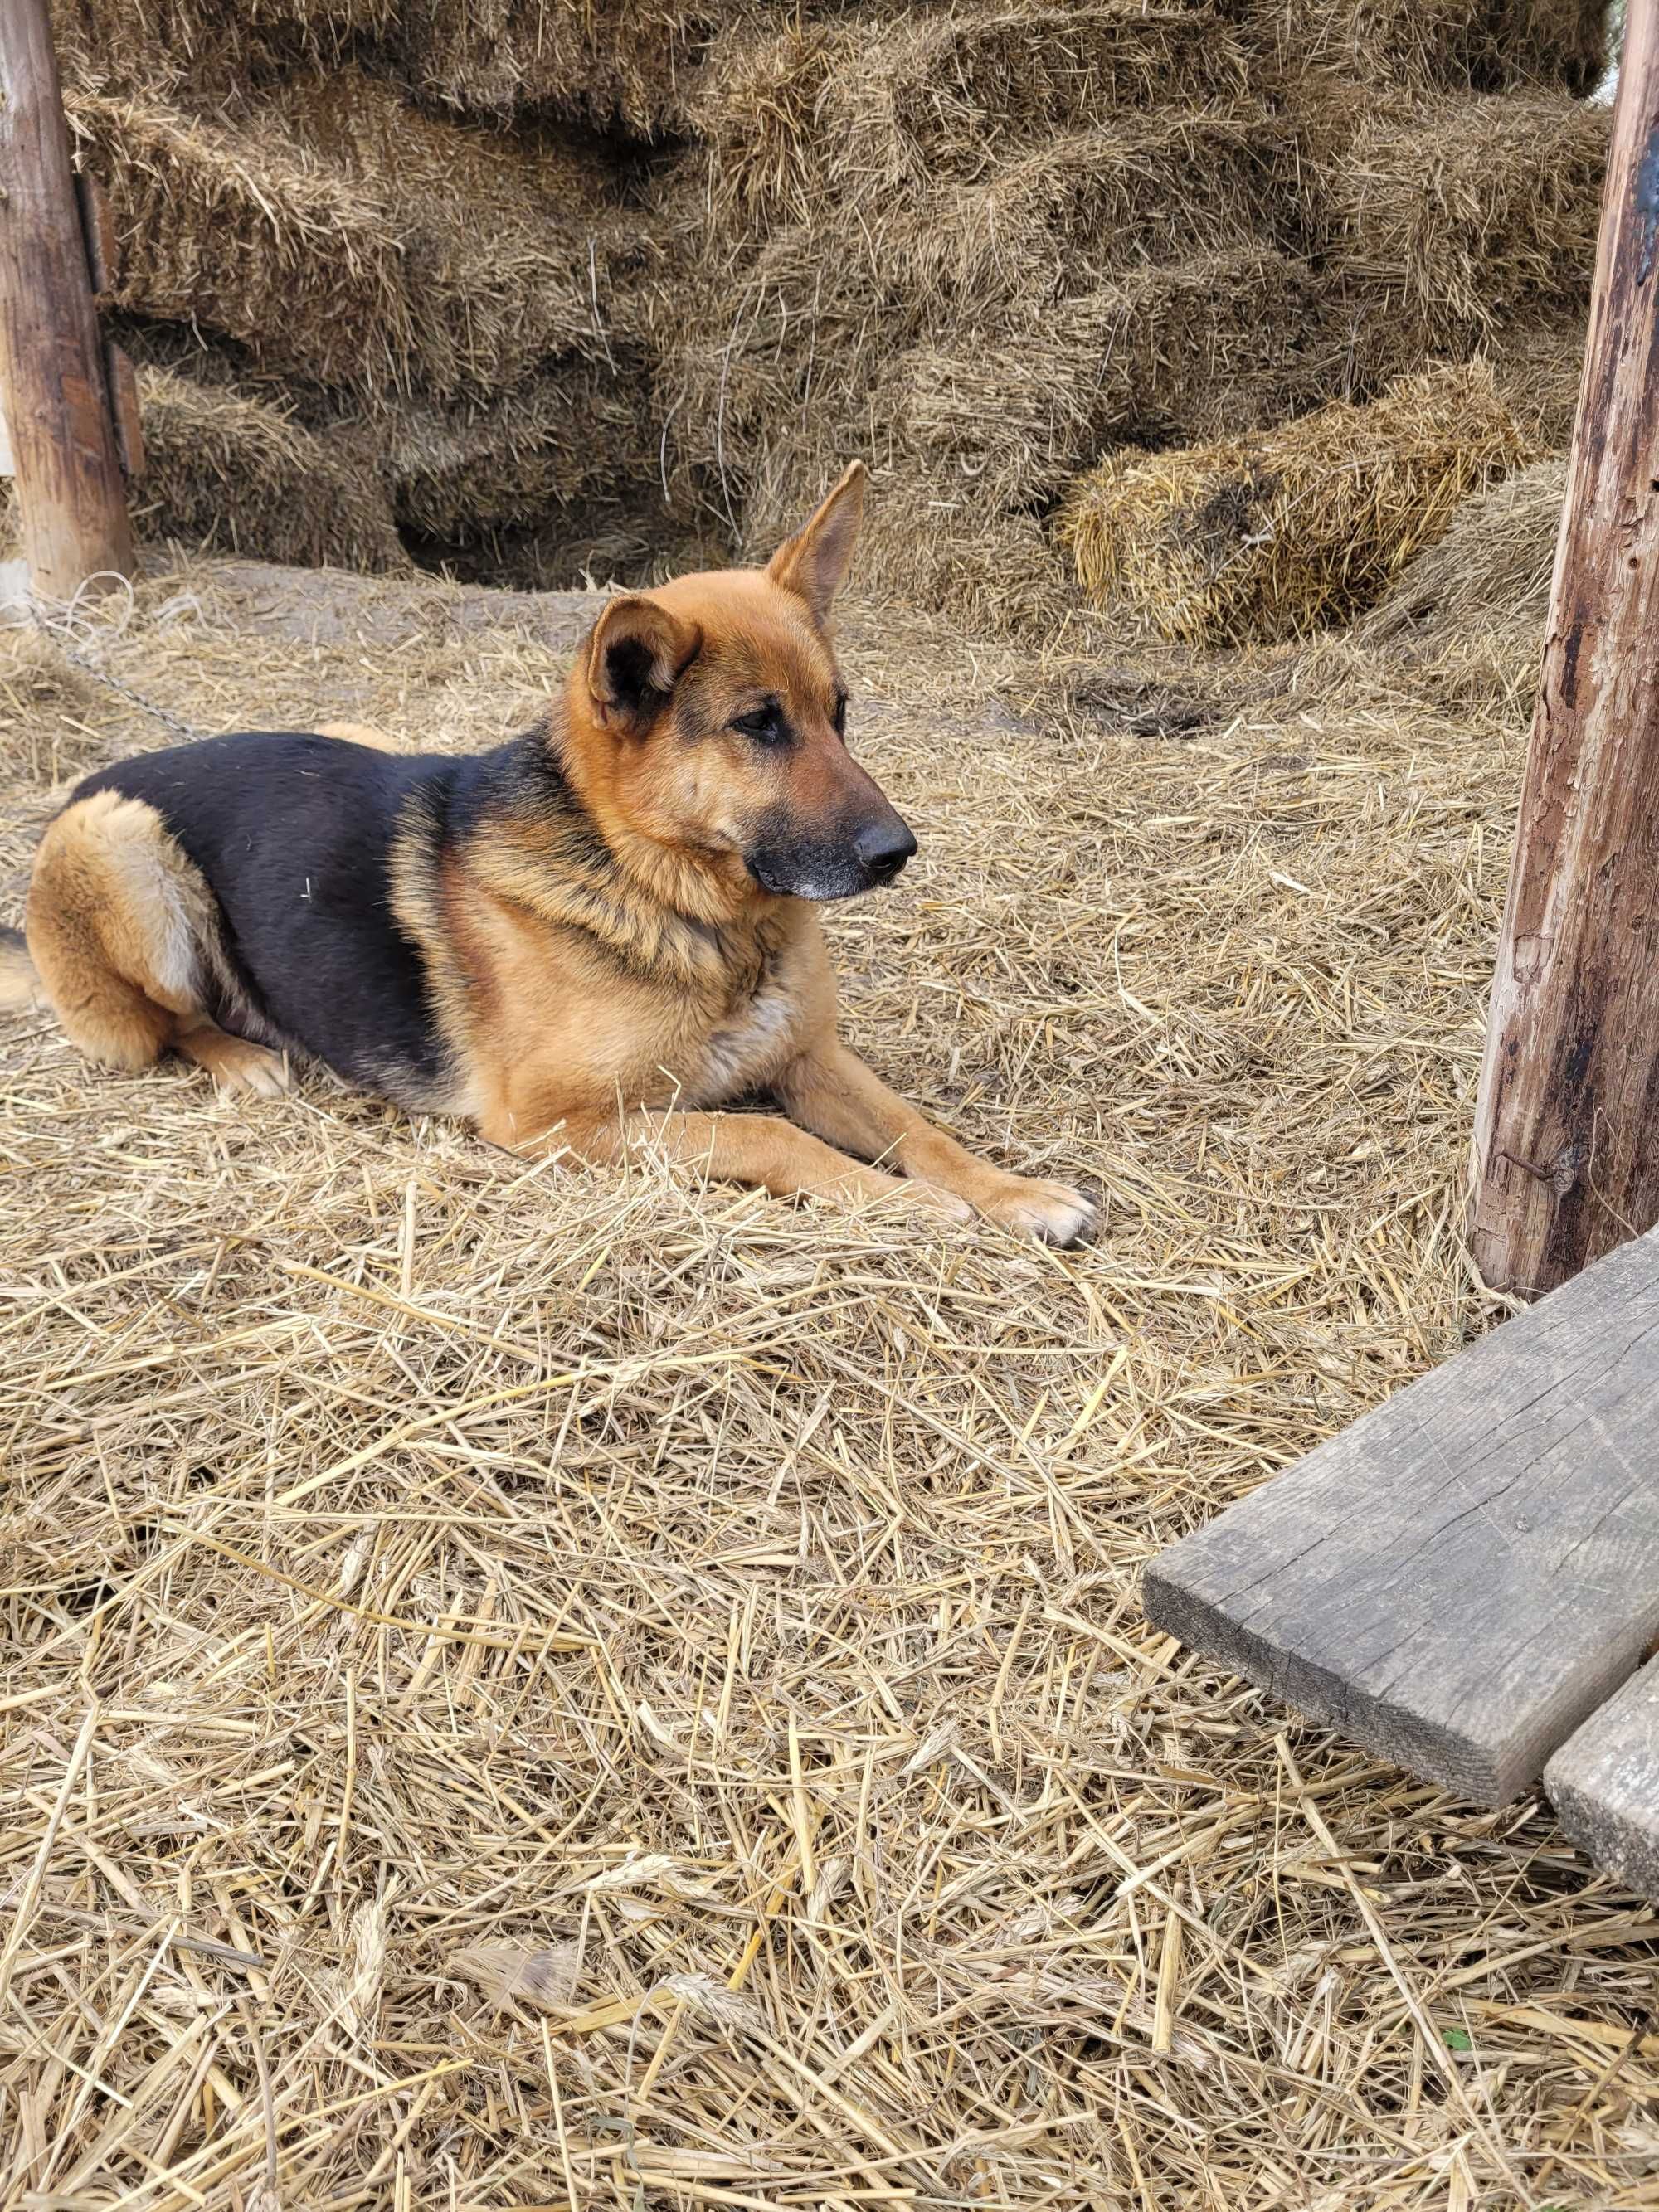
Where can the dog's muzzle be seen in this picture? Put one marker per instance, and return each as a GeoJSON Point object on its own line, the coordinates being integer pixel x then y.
{"type": "Point", "coordinates": [870, 853]}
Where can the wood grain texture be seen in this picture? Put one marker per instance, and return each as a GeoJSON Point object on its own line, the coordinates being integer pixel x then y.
{"type": "Point", "coordinates": [123, 381]}
{"type": "Point", "coordinates": [1462, 1577]}
{"type": "Point", "coordinates": [1604, 1783]}
{"type": "Point", "coordinates": [1566, 1156]}
{"type": "Point", "coordinates": [71, 500]}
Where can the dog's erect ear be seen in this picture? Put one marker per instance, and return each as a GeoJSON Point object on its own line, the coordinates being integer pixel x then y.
{"type": "Point", "coordinates": [638, 653]}
{"type": "Point", "coordinates": [813, 564]}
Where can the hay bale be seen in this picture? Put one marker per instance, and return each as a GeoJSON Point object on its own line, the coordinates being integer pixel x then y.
{"type": "Point", "coordinates": [1183, 351]}
{"type": "Point", "coordinates": [229, 474]}
{"type": "Point", "coordinates": [1466, 616]}
{"type": "Point", "coordinates": [802, 343]}
{"type": "Point", "coordinates": [1539, 366]}
{"type": "Point", "coordinates": [968, 335]}
{"type": "Point", "coordinates": [345, 271]}
{"type": "Point", "coordinates": [1088, 206]}
{"type": "Point", "coordinates": [568, 433]}
{"type": "Point", "coordinates": [498, 174]}
{"type": "Point", "coordinates": [990, 574]}
{"type": "Point", "coordinates": [513, 239]}
{"type": "Point", "coordinates": [620, 65]}
{"type": "Point", "coordinates": [924, 544]}
{"type": "Point", "coordinates": [885, 101]}
{"type": "Point", "coordinates": [1492, 564]}
{"type": "Point", "coordinates": [165, 48]}
{"type": "Point", "coordinates": [1271, 535]}
{"type": "Point", "coordinates": [248, 239]}
{"type": "Point", "coordinates": [1481, 46]}
{"type": "Point", "coordinates": [1447, 220]}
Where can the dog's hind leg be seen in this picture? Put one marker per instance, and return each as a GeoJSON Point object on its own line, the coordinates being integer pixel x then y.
{"type": "Point", "coordinates": [123, 932]}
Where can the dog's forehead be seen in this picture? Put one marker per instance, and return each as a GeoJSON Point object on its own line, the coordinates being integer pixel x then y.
{"type": "Point", "coordinates": [755, 634]}
{"type": "Point", "coordinates": [783, 661]}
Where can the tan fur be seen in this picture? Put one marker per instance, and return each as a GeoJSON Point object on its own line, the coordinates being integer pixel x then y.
{"type": "Point", "coordinates": [19, 984]}
{"type": "Point", "coordinates": [563, 1051]}
{"type": "Point", "coordinates": [362, 734]}
{"type": "Point", "coordinates": [123, 933]}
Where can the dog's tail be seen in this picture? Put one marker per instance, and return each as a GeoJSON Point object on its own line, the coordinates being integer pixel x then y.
{"type": "Point", "coordinates": [20, 986]}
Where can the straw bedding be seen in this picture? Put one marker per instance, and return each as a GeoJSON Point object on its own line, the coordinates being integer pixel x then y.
{"type": "Point", "coordinates": [1271, 535]}
{"type": "Point", "coordinates": [540, 1688]}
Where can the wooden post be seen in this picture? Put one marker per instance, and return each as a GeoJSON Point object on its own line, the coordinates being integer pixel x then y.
{"type": "Point", "coordinates": [1566, 1153]}
{"type": "Point", "coordinates": [71, 499]}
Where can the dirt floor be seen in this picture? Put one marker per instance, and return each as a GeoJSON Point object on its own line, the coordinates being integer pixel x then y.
{"type": "Point", "coordinates": [529, 1687]}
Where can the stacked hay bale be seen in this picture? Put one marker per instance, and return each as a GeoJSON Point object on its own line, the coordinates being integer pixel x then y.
{"type": "Point", "coordinates": [552, 283]}
{"type": "Point", "coordinates": [1483, 45]}
{"type": "Point", "coordinates": [437, 301]}
{"type": "Point", "coordinates": [234, 474]}
{"type": "Point", "coordinates": [1450, 222]}
{"type": "Point", "coordinates": [1272, 534]}
{"type": "Point", "coordinates": [974, 244]}
{"type": "Point", "coordinates": [983, 245]}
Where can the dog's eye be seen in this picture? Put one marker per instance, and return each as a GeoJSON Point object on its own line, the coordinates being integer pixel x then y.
{"type": "Point", "coordinates": [766, 723]}
{"type": "Point", "coordinates": [839, 717]}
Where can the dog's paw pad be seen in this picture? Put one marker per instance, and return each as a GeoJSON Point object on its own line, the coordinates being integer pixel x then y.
{"type": "Point", "coordinates": [237, 1066]}
{"type": "Point", "coordinates": [1053, 1213]}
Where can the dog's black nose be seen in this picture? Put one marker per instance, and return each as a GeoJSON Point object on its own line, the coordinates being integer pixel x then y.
{"type": "Point", "coordinates": [883, 848]}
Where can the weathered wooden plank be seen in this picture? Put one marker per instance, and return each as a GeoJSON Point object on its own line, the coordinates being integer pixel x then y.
{"type": "Point", "coordinates": [1604, 1783]}
{"type": "Point", "coordinates": [123, 381]}
{"type": "Point", "coordinates": [97, 229]}
{"type": "Point", "coordinates": [1462, 1577]}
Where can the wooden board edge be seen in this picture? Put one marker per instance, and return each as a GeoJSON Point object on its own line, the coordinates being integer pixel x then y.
{"type": "Point", "coordinates": [1581, 1781]}
{"type": "Point", "coordinates": [1437, 1755]}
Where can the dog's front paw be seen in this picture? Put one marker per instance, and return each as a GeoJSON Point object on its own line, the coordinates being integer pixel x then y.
{"type": "Point", "coordinates": [235, 1065]}
{"type": "Point", "coordinates": [1053, 1213]}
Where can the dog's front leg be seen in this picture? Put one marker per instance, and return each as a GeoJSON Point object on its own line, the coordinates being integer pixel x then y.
{"type": "Point", "coordinates": [762, 1149]}
{"type": "Point", "coordinates": [830, 1091]}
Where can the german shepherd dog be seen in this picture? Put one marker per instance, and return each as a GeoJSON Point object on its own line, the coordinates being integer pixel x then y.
{"type": "Point", "coordinates": [589, 939]}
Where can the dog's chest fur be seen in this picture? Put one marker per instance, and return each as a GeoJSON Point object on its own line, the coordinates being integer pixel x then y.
{"type": "Point", "coordinates": [741, 1044]}
{"type": "Point", "coordinates": [748, 1049]}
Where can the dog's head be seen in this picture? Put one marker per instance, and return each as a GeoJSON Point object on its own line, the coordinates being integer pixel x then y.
{"type": "Point", "coordinates": [709, 720]}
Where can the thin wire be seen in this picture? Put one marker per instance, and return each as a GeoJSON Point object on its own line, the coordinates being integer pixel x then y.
{"type": "Point", "coordinates": [73, 631]}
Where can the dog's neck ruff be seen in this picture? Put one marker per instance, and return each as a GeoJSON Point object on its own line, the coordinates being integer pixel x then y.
{"type": "Point", "coordinates": [659, 913]}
